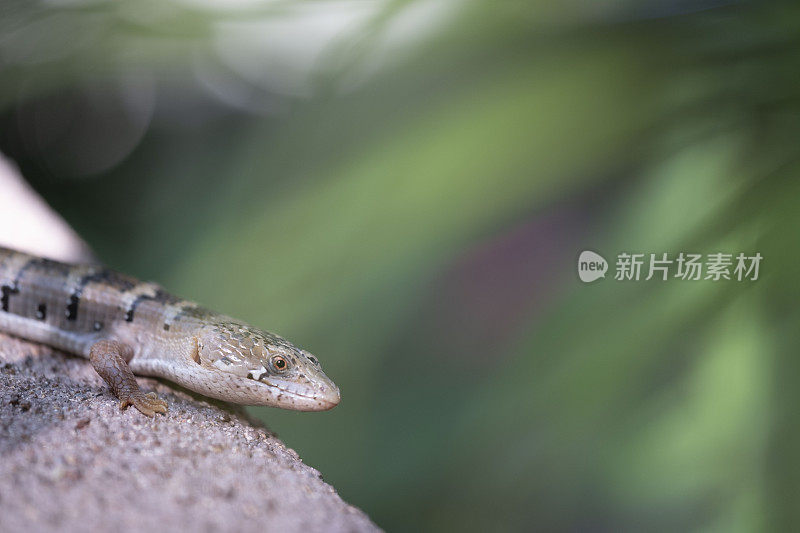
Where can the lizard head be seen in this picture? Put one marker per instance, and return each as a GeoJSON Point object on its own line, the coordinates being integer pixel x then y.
{"type": "Point", "coordinates": [261, 368]}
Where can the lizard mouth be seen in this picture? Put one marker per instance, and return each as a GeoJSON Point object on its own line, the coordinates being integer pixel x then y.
{"type": "Point", "coordinates": [326, 396]}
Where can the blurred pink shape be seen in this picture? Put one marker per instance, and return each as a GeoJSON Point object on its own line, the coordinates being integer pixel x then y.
{"type": "Point", "coordinates": [28, 224]}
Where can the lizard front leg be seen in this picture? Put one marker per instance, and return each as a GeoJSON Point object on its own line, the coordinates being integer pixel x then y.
{"type": "Point", "coordinates": [110, 360]}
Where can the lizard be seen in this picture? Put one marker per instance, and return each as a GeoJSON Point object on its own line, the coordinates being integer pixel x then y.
{"type": "Point", "coordinates": [126, 327]}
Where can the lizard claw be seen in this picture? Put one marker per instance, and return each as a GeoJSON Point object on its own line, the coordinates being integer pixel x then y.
{"type": "Point", "coordinates": [148, 404]}
{"type": "Point", "coordinates": [110, 360]}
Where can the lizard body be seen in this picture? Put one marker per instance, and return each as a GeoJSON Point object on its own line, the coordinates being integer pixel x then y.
{"type": "Point", "coordinates": [125, 327]}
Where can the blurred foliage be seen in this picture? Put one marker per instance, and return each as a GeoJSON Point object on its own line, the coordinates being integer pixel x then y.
{"type": "Point", "coordinates": [404, 187]}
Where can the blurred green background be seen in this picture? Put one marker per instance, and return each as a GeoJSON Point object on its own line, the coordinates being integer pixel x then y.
{"type": "Point", "coordinates": [403, 188]}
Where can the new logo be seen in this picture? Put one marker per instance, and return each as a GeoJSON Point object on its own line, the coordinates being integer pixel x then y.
{"type": "Point", "coordinates": [591, 266]}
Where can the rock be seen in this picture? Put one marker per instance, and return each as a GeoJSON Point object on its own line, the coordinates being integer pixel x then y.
{"type": "Point", "coordinates": [71, 461]}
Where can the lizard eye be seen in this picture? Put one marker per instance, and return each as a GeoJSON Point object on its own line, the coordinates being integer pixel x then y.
{"type": "Point", "coordinates": [279, 363]}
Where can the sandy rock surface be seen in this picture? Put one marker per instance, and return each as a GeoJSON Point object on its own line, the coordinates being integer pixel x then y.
{"type": "Point", "coordinates": [72, 462]}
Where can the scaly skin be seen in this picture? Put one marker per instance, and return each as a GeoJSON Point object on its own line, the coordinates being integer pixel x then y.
{"type": "Point", "coordinates": [125, 327]}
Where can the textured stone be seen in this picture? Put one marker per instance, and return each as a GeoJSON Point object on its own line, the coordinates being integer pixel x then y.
{"type": "Point", "coordinates": [71, 461]}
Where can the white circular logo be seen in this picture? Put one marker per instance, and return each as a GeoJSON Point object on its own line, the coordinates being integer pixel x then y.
{"type": "Point", "coordinates": [591, 266]}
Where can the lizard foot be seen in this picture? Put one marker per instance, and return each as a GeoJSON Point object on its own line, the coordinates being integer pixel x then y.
{"type": "Point", "coordinates": [148, 404]}
{"type": "Point", "coordinates": [110, 360]}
